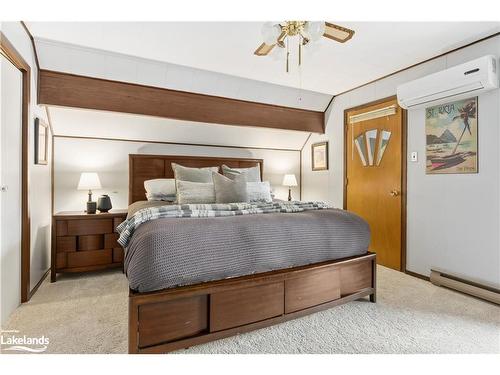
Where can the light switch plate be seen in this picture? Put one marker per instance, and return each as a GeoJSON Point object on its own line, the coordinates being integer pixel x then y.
{"type": "Point", "coordinates": [414, 156]}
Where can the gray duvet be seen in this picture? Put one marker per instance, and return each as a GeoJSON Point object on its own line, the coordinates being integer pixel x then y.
{"type": "Point", "coordinates": [169, 252]}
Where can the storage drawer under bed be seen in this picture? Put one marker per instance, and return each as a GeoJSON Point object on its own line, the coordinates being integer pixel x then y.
{"type": "Point", "coordinates": [174, 320]}
{"type": "Point", "coordinates": [242, 306]}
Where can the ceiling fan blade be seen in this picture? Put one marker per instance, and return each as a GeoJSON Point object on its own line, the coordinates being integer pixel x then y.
{"type": "Point", "coordinates": [337, 33]}
{"type": "Point", "coordinates": [264, 49]}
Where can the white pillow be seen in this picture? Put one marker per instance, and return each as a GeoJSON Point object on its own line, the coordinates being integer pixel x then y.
{"type": "Point", "coordinates": [160, 189]}
{"type": "Point", "coordinates": [195, 192]}
{"type": "Point", "coordinates": [259, 191]}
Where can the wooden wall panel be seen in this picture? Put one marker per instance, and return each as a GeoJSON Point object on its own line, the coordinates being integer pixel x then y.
{"type": "Point", "coordinates": [69, 90]}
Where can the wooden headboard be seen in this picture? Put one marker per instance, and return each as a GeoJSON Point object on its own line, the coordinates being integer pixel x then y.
{"type": "Point", "coordinates": [147, 167]}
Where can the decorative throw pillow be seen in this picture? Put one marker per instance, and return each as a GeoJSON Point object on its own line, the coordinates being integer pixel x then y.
{"type": "Point", "coordinates": [252, 174]}
{"type": "Point", "coordinates": [193, 174]}
{"type": "Point", "coordinates": [195, 192]}
{"type": "Point", "coordinates": [161, 197]}
{"type": "Point", "coordinates": [160, 189]}
{"type": "Point", "coordinates": [259, 192]}
{"type": "Point", "coordinates": [230, 191]}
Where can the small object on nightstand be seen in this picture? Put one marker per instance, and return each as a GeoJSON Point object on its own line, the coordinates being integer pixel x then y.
{"type": "Point", "coordinates": [104, 203]}
{"type": "Point", "coordinates": [289, 180]}
{"type": "Point", "coordinates": [89, 181]}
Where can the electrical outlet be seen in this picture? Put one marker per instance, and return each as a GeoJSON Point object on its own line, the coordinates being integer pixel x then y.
{"type": "Point", "coordinates": [414, 156]}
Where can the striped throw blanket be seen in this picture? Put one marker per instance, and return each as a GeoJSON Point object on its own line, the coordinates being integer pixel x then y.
{"type": "Point", "coordinates": [127, 228]}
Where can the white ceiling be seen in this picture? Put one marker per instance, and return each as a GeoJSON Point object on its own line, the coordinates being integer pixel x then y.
{"type": "Point", "coordinates": [91, 123]}
{"type": "Point", "coordinates": [376, 49]}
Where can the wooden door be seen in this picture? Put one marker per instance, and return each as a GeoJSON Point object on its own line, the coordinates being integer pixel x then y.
{"type": "Point", "coordinates": [374, 176]}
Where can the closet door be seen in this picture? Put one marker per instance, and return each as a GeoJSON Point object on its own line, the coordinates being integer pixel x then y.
{"type": "Point", "coordinates": [374, 172]}
{"type": "Point", "coordinates": [10, 182]}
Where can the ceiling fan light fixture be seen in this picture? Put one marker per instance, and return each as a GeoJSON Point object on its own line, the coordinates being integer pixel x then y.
{"type": "Point", "coordinates": [278, 36]}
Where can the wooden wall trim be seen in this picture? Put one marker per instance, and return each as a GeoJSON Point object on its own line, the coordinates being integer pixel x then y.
{"type": "Point", "coordinates": [49, 120]}
{"type": "Point", "coordinates": [9, 51]}
{"type": "Point", "coordinates": [172, 143]}
{"type": "Point", "coordinates": [300, 164]}
{"type": "Point", "coordinates": [70, 90]}
{"type": "Point", "coordinates": [417, 275]}
{"type": "Point", "coordinates": [32, 44]}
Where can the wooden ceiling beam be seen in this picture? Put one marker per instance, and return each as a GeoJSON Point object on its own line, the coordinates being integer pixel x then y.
{"type": "Point", "coordinates": [70, 90]}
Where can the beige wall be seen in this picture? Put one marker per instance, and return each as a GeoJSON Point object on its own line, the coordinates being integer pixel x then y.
{"type": "Point", "coordinates": [110, 160]}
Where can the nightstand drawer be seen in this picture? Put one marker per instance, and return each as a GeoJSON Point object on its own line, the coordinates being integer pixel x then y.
{"type": "Point", "coordinates": [65, 244]}
{"type": "Point", "coordinates": [89, 258]}
{"type": "Point", "coordinates": [61, 260]}
{"type": "Point", "coordinates": [118, 255]}
{"type": "Point", "coordinates": [110, 241]}
{"type": "Point", "coordinates": [92, 226]}
{"type": "Point", "coordinates": [91, 242]}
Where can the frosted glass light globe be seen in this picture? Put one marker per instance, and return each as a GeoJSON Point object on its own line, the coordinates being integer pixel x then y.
{"type": "Point", "coordinates": [314, 29]}
{"type": "Point", "coordinates": [270, 32]}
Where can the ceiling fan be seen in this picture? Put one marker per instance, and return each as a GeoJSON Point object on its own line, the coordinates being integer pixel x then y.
{"type": "Point", "coordinates": [279, 35]}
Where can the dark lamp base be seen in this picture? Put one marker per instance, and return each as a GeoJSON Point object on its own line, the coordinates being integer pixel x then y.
{"type": "Point", "coordinates": [91, 207]}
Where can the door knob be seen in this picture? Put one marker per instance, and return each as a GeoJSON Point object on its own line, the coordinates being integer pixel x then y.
{"type": "Point", "coordinates": [394, 193]}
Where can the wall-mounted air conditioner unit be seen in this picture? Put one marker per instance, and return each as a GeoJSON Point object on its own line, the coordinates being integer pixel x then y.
{"type": "Point", "coordinates": [458, 82]}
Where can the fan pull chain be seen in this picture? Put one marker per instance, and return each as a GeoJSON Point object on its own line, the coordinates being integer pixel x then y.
{"type": "Point", "coordinates": [300, 51]}
{"type": "Point", "coordinates": [287, 53]}
{"type": "Point", "coordinates": [300, 69]}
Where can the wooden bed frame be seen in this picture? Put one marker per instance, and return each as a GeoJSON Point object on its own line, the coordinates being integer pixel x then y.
{"type": "Point", "coordinates": [181, 317]}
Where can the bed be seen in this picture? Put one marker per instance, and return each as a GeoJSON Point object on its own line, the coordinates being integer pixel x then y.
{"type": "Point", "coordinates": [200, 279]}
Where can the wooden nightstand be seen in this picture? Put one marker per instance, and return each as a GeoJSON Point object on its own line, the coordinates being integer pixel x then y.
{"type": "Point", "coordinates": [85, 242]}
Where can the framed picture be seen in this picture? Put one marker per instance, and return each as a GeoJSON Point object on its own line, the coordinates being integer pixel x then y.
{"type": "Point", "coordinates": [451, 137]}
{"type": "Point", "coordinates": [319, 152]}
{"type": "Point", "coordinates": [41, 141]}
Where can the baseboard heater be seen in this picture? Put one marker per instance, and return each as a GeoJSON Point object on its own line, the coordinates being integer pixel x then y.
{"type": "Point", "coordinates": [480, 291]}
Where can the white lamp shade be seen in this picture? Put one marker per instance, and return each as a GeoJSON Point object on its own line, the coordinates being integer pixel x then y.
{"type": "Point", "coordinates": [89, 181]}
{"type": "Point", "coordinates": [289, 180]}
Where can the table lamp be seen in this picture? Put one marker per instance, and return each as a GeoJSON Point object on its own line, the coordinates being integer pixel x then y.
{"type": "Point", "coordinates": [289, 180]}
{"type": "Point", "coordinates": [89, 181]}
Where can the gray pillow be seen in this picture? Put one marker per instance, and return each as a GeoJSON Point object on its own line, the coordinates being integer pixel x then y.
{"type": "Point", "coordinates": [193, 174]}
{"type": "Point", "coordinates": [229, 191]}
{"type": "Point", "coordinates": [195, 192]}
{"type": "Point", "coordinates": [161, 197]}
{"type": "Point", "coordinates": [252, 174]}
{"type": "Point", "coordinates": [259, 192]}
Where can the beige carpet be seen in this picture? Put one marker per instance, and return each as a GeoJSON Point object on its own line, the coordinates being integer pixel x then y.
{"type": "Point", "coordinates": [88, 314]}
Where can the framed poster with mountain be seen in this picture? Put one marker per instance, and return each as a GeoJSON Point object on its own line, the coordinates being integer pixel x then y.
{"type": "Point", "coordinates": [451, 133]}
